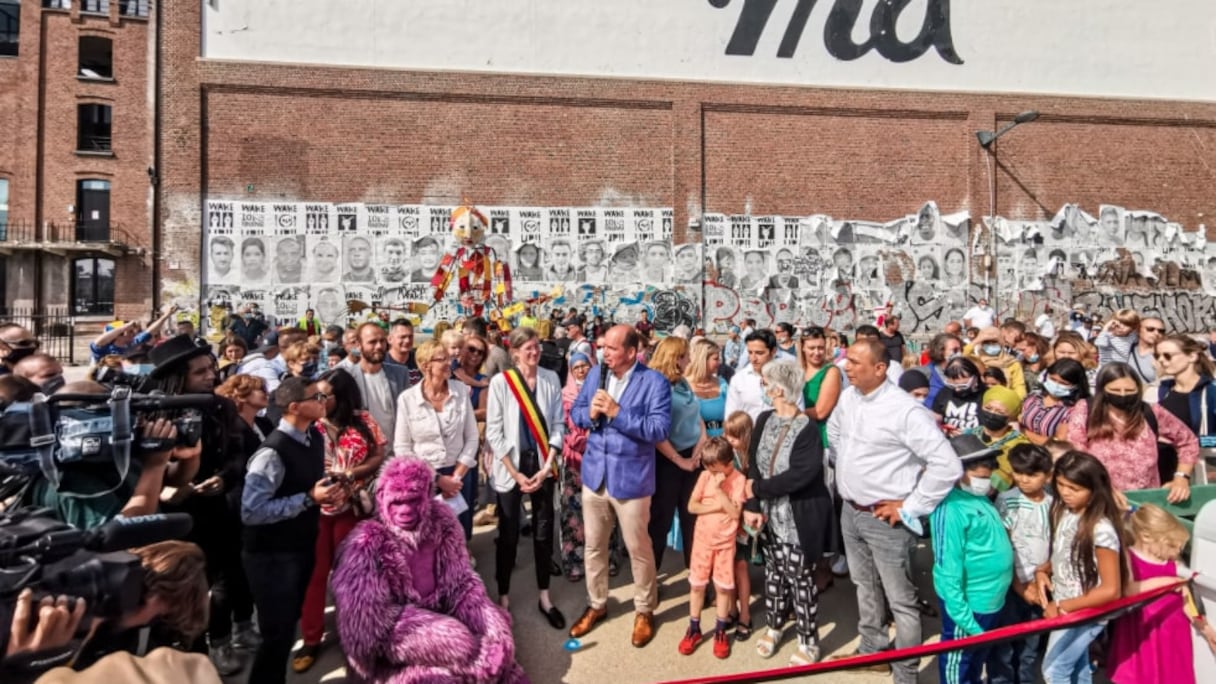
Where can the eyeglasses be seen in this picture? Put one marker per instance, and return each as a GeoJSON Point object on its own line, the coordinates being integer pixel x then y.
{"type": "Point", "coordinates": [321, 397]}
{"type": "Point", "coordinates": [1153, 329]}
{"type": "Point", "coordinates": [28, 343]}
{"type": "Point", "coordinates": [1164, 356]}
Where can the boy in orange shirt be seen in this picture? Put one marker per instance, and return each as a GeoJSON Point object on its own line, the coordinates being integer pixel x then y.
{"type": "Point", "coordinates": [717, 501]}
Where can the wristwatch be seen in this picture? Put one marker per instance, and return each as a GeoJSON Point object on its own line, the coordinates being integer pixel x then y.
{"type": "Point", "coordinates": [1182, 474]}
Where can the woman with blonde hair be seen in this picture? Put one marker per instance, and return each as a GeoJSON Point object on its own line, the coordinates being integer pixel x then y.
{"type": "Point", "coordinates": [704, 360]}
{"type": "Point", "coordinates": [676, 459]}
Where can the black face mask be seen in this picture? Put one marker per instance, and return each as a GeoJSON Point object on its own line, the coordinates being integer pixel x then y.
{"type": "Point", "coordinates": [992, 421]}
{"type": "Point", "coordinates": [52, 385]}
{"type": "Point", "coordinates": [16, 353]}
{"type": "Point", "coordinates": [1123, 402]}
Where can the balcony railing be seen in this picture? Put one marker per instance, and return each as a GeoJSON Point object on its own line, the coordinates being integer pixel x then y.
{"type": "Point", "coordinates": [94, 144]}
{"type": "Point", "coordinates": [28, 234]}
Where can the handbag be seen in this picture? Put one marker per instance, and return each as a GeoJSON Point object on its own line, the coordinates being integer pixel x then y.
{"type": "Point", "coordinates": [756, 554]}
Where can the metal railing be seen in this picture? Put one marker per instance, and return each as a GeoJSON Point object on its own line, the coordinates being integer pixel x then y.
{"type": "Point", "coordinates": [70, 232]}
{"type": "Point", "coordinates": [94, 143]}
{"type": "Point", "coordinates": [54, 327]}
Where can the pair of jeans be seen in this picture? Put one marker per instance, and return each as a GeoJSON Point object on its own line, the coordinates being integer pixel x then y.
{"type": "Point", "coordinates": [510, 512]}
{"type": "Point", "coordinates": [672, 488]}
{"type": "Point", "coordinates": [1067, 656]}
{"type": "Point", "coordinates": [964, 666]}
{"type": "Point", "coordinates": [279, 580]}
{"type": "Point", "coordinates": [880, 565]}
{"type": "Point", "coordinates": [331, 530]}
{"type": "Point", "coordinates": [1016, 662]}
{"type": "Point", "coordinates": [468, 492]}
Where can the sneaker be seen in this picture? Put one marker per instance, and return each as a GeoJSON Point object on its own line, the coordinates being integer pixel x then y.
{"type": "Point", "coordinates": [805, 655]}
{"type": "Point", "coordinates": [721, 644]}
{"type": "Point", "coordinates": [840, 566]}
{"type": "Point", "coordinates": [692, 638]}
{"type": "Point", "coordinates": [225, 659]}
{"type": "Point", "coordinates": [246, 637]}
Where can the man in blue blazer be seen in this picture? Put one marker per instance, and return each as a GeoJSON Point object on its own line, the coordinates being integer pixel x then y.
{"type": "Point", "coordinates": [627, 407]}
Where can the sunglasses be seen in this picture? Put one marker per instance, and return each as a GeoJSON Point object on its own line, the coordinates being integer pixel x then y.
{"type": "Point", "coordinates": [1152, 329]}
{"type": "Point", "coordinates": [1164, 356]}
{"type": "Point", "coordinates": [475, 350]}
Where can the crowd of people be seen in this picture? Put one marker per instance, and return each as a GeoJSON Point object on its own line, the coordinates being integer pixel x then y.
{"type": "Point", "coordinates": [355, 459]}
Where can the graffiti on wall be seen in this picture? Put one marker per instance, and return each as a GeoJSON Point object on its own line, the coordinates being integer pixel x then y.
{"type": "Point", "coordinates": [344, 260]}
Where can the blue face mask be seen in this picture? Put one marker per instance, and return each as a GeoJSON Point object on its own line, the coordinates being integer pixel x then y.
{"type": "Point", "coordinates": [991, 349]}
{"type": "Point", "coordinates": [140, 368]}
{"type": "Point", "coordinates": [1057, 390]}
{"type": "Point", "coordinates": [1033, 358]}
{"type": "Point", "coordinates": [309, 370]}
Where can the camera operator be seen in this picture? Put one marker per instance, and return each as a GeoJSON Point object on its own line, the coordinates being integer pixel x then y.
{"type": "Point", "coordinates": [183, 365]}
{"type": "Point", "coordinates": [90, 494]}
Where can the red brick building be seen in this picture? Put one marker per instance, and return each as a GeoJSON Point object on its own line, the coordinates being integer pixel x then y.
{"type": "Point", "coordinates": [76, 106]}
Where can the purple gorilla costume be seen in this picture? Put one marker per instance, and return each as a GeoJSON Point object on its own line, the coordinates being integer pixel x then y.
{"type": "Point", "coordinates": [409, 606]}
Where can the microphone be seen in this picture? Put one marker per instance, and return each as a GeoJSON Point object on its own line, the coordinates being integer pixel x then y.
{"type": "Point", "coordinates": [604, 371]}
{"type": "Point", "coordinates": [119, 534]}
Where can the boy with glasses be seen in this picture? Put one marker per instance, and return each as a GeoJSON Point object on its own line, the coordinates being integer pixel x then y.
{"type": "Point", "coordinates": [284, 487]}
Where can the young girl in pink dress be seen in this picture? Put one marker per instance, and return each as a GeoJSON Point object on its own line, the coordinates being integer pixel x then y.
{"type": "Point", "coordinates": [1153, 644]}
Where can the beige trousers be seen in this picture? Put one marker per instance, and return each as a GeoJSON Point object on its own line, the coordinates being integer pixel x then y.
{"type": "Point", "coordinates": [599, 512]}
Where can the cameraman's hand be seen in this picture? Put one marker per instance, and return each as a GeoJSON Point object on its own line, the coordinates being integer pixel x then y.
{"type": "Point", "coordinates": [164, 431]}
{"type": "Point", "coordinates": [210, 487]}
{"type": "Point", "coordinates": [56, 624]}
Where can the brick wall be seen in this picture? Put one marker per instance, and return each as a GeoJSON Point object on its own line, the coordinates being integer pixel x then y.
{"type": "Point", "coordinates": [265, 132]}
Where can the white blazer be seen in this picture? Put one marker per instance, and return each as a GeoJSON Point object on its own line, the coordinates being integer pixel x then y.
{"type": "Point", "coordinates": [503, 423]}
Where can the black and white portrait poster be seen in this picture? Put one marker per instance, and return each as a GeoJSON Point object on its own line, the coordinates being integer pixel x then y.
{"type": "Point", "coordinates": [324, 258]}
{"type": "Point", "coordinates": [713, 230]}
{"type": "Point", "coordinates": [741, 234]}
{"type": "Point", "coordinates": [500, 223]}
{"type": "Point", "coordinates": [329, 303]}
{"type": "Point", "coordinates": [319, 218]}
{"type": "Point", "coordinates": [289, 262]}
{"type": "Point", "coordinates": [357, 253]}
{"type": "Point", "coordinates": [655, 266]}
{"type": "Point", "coordinates": [646, 225]}
{"type": "Point", "coordinates": [392, 258]}
{"type": "Point", "coordinates": [527, 266]}
{"type": "Point", "coordinates": [689, 266]}
{"type": "Point", "coordinates": [409, 221]}
{"type": "Point", "coordinates": [561, 262]}
{"type": "Point", "coordinates": [290, 303]}
{"type": "Point", "coordinates": [254, 258]}
{"type": "Point", "coordinates": [220, 219]}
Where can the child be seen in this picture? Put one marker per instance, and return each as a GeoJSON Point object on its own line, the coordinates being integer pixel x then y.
{"type": "Point", "coordinates": [1153, 644]}
{"type": "Point", "coordinates": [999, 409]}
{"type": "Point", "coordinates": [738, 433]}
{"type": "Point", "coordinates": [1118, 338]}
{"type": "Point", "coordinates": [1026, 512]}
{"type": "Point", "coordinates": [717, 501]}
{"type": "Point", "coordinates": [1084, 570]}
{"type": "Point", "coordinates": [972, 560]}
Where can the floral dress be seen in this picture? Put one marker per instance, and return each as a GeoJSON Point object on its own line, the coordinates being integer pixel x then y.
{"type": "Point", "coordinates": [348, 450]}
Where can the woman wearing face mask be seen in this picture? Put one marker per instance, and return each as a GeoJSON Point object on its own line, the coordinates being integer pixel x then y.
{"type": "Point", "coordinates": [301, 359]}
{"type": "Point", "coordinates": [988, 349]}
{"type": "Point", "coordinates": [998, 416]}
{"type": "Point", "coordinates": [1116, 427]}
{"type": "Point", "coordinates": [1045, 412]}
{"type": "Point", "coordinates": [957, 404]}
{"type": "Point", "coordinates": [1189, 393]}
{"type": "Point", "coordinates": [1032, 354]}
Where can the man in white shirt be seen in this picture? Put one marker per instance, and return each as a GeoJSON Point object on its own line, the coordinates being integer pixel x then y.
{"type": "Point", "coordinates": [745, 393]}
{"type": "Point", "coordinates": [1044, 324]}
{"type": "Point", "coordinates": [893, 465]}
{"type": "Point", "coordinates": [979, 316]}
{"type": "Point", "coordinates": [578, 343]}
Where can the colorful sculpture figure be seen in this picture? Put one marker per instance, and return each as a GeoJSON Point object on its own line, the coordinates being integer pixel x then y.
{"type": "Point", "coordinates": [410, 608]}
{"type": "Point", "coordinates": [483, 278]}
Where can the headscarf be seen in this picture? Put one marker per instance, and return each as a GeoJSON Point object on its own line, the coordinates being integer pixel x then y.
{"type": "Point", "coordinates": [571, 390]}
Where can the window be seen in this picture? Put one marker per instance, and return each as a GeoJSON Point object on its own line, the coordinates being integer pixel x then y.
{"type": "Point", "coordinates": [57, 4]}
{"type": "Point", "coordinates": [10, 27]}
{"type": "Point", "coordinates": [95, 6]}
{"type": "Point", "coordinates": [92, 210]}
{"type": "Point", "coordinates": [93, 128]}
{"type": "Point", "coordinates": [96, 57]}
{"type": "Point", "coordinates": [93, 286]}
{"type": "Point", "coordinates": [133, 8]}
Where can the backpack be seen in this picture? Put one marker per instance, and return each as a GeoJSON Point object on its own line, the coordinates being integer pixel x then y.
{"type": "Point", "coordinates": [552, 358]}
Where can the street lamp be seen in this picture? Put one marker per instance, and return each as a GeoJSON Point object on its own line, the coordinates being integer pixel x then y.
{"type": "Point", "coordinates": [986, 138]}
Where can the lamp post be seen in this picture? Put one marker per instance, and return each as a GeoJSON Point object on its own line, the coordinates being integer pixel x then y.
{"type": "Point", "coordinates": [986, 139]}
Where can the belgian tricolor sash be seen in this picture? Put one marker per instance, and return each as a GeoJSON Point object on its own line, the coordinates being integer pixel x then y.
{"type": "Point", "coordinates": [534, 419]}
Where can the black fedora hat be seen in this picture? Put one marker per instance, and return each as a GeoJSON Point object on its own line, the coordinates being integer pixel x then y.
{"type": "Point", "coordinates": [175, 350]}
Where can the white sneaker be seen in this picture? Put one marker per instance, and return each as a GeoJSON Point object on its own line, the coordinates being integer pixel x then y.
{"type": "Point", "coordinates": [840, 566]}
{"type": "Point", "coordinates": [225, 659]}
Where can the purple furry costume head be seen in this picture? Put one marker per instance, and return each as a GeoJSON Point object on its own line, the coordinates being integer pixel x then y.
{"type": "Point", "coordinates": [409, 606]}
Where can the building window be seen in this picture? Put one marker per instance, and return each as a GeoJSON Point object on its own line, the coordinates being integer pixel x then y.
{"type": "Point", "coordinates": [93, 286]}
{"type": "Point", "coordinates": [133, 8]}
{"type": "Point", "coordinates": [92, 210]}
{"type": "Point", "coordinates": [57, 4]}
{"type": "Point", "coordinates": [93, 128]}
{"type": "Point", "coordinates": [95, 6]}
{"type": "Point", "coordinates": [10, 27]}
{"type": "Point", "coordinates": [96, 57]}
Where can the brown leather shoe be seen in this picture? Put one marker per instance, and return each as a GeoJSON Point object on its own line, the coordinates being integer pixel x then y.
{"type": "Point", "coordinates": [643, 629]}
{"type": "Point", "coordinates": [587, 620]}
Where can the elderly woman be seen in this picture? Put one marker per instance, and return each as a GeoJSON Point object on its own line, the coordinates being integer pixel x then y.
{"type": "Point", "coordinates": [990, 351]}
{"type": "Point", "coordinates": [789, 498]}
{"type": "Point", "coordinates": [435, 422]}
{"type": "Point", "coordinates": [525, 445]}
{"type": "Point", "coordinates": [676, 459]}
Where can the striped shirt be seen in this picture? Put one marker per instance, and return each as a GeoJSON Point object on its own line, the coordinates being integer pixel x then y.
{"type": "Point", "coordinates": [1041, 419]}
{"type": "Point", "coordinates": [1029, 525]}
{"type": "Point", "coordinates": [1112, 348]}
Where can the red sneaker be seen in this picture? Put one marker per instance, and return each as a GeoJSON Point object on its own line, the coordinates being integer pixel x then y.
{"type": "Point", "coordinates": [692, 638]}
{"type": "Point", "coordinates": [721, 644]}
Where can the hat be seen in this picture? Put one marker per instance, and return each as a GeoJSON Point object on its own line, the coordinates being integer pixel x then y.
{"type": "Point", "coordinates": [1006, 398]}
{"type": "Point", "coordinates": [176, 350]}
{"type": "Point", "coordinates": [115, 325]}
{"type": "Point", "coordinates": [913, 380]}
{"type": "Point", "coordinates": [137, 350]}
{"type": "Point", "coordinates": [735, 329]}
{"type": "Point", "coordinates": [970, 447]}
{"type": "Point", "coordinates": [269, 341]}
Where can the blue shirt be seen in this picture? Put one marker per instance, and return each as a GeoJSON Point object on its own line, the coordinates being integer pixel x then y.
{"type": "Point", "coordinates": [262, 480]}
{"type": "Point", "coordinates": [112, 349]}
{"type": "Point", "coordinates": [685, 417]}
{"type": "Point", "coordinates": [713, 411]}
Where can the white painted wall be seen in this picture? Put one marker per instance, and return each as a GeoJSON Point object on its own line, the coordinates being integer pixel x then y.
{"type": "Point", "coordinates": [1117, 48]}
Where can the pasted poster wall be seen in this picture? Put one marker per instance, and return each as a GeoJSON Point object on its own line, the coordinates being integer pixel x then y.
{"type": "Point", "coordinates": [344, 259]}
{"type": "Point", "coordinates": [926, 266]}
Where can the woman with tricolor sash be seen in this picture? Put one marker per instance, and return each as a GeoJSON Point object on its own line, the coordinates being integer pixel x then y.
{"type": "Point", "coordinates": [524, 427]}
